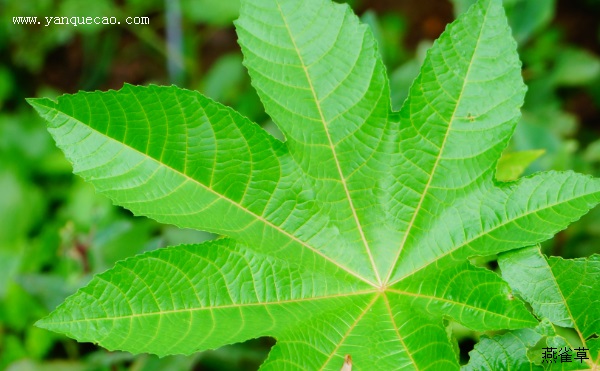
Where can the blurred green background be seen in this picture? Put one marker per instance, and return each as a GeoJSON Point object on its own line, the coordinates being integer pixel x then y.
{"type": "Point", "coordinates": [55, 232]}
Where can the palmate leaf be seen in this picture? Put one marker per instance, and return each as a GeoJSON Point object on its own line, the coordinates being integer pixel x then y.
{"type": "Point", "coordinates": [353, 236]}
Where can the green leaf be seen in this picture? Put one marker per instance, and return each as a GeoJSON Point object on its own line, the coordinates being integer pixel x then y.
{"type": "Point", "coordinates": [566, 292]}
{"type": "Point", "coordinates": [576, 67]}
{"type": "Point", "coordinates": [525, 17]}
{"type": "Point", "coordinates": [562, 351]}
{"type": "Point", "coordinates": [504, 352]}
{"type": "Point", "coordinates": [352, 237]}
{"type": "Point", "coordinates": [512, 165]}
{"type": "Point", "coordinates": [179, 285]}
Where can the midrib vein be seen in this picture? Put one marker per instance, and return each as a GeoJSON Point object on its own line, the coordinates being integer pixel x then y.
{"type": "Point", "coordinates": [437, 160]}
{"type": "Point", "coordinates": [485, 233]}
{"type": "Point", "coordinates": [350, 329]}
{"type": "Point", "coordinates": [220, 196]}
{"type": "Point", "coordinates": [568, 308]}
{"type": "Point", "coordinates": [453, 302]}
{"type": "Point", "coordinates": [397, 331]}
{"type": "Point", "coordinates": [227, 306]}
{"type": "Point", "coordinates": [331, 146]}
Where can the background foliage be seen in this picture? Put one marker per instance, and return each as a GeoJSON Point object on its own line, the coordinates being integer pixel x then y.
{"type": "Point", "coordinates": [55, 232]}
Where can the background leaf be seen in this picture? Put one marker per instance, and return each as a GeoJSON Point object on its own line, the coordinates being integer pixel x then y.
{"type": "Point", "coordinates": [504, 352]}
{"type": "Point", "coordinates": [512, 165]}
{"type": "Point", "coordinates": [566, 292]}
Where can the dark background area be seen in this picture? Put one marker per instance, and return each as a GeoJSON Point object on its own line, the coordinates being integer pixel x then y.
{"type": "Point", "coordinates": [55, 232]}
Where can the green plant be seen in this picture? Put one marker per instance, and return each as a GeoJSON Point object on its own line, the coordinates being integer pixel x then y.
{"type": "Point", "coordinates": [352, 237]}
